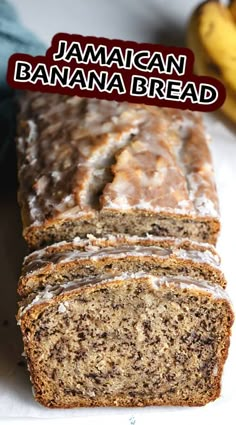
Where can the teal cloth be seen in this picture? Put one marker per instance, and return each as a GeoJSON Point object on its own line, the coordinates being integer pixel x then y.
{"type": "Point", "coordinates": [14, 38]}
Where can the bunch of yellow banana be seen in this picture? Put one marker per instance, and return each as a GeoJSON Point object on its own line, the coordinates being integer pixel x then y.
{"type": "Point", "coordinates": [212, 37]}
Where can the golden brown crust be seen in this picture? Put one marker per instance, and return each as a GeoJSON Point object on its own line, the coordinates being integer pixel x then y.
{"type": "Point", "coordinates": [113, 159]}
{"type": "Point", "coordinates": [127, 402]}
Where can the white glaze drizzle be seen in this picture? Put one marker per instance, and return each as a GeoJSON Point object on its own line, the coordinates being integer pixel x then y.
{"type": "Point", "coordinates": [48, 294]}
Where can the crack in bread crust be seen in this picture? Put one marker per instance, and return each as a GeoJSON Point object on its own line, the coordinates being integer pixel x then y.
{"type": "Point", "coordinates": [107, 158]}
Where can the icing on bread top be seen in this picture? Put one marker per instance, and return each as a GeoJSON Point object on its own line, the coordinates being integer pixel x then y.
{"type": "Point", "coordinates": [121, 246]}
{"type": "Point", "coordinates": [80, 157]}
{"type": "Point", "coordinates": [50, 293]}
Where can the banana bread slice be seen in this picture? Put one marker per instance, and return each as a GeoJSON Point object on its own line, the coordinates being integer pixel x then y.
{"type": "Point", "coordinates": [81, 258]}
{"type": "Point", "coordinates": [101, 167]}
{"type": "Point", "coordinates": [132, 340]}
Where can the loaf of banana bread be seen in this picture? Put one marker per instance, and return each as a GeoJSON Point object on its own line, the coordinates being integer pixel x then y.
{"type": "Point", "coordinates": [129, 340]}
{"type": "Point", "coordinates": [101, 167]}
{"type": "Point", "coordinates": [122, 301]}
{"type": "Point", "coordinates": [83, 258]}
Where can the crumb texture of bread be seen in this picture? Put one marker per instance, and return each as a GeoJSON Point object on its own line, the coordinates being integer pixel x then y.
{"type": "Point", "coordinates": [113, 168]}
{"type": "Point", "coordinates": [129, 342]}
{"type": "Point", "coordinates": [64, 262]}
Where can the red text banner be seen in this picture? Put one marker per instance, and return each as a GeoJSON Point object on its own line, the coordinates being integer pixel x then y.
{"type": "Point", "coordinates": [117, 70]}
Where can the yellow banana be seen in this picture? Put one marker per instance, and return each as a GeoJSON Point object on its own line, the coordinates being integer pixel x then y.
{"type": "Point", "coordinates": [217, 33]}
{"type": "Point", "coordinates": [232, 8]}
{"type": "Point", "coordinates": [204, 65]}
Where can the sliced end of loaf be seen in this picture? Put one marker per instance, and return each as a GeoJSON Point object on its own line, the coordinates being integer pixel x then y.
{"type": "Point", "coordinates": [131, 341]}
{"type": "Point", "coordinates": [83, 258]}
